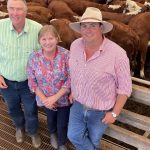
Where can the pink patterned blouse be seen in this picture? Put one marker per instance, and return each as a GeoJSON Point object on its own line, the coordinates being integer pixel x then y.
{"type": "Point", "coordinates": [49, 75]}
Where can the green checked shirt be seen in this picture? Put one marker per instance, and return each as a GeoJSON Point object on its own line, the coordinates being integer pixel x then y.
{"type": "Point", "coordinates": [15, 48]}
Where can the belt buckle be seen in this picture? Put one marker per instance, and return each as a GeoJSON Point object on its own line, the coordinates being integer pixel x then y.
{"type": "Point", "coordinates": [87, 108]}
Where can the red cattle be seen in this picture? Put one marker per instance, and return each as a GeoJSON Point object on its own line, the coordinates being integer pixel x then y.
{"type": "Point", "coordinates": [124, 36]}
{"type": "Point", "coordinates": [39, 18]}
{"type": "Point", "coordinates": [42, 2]}
{"type": "Point", "coordinates": [67, 35]}
{"type": "Point", "coordinates": [61, 9]}
{"type": "Point", "coordinates": [43, 11]}
{"type": "Point", "coordinates": [117, 16]}
{"type": "Point", "coordinates": [80, 6]}
{"type": "Point", "coordinates": [140, 24]}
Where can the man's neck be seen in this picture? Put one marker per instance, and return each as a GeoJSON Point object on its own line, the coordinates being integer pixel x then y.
{"type": "Point", "coordinates": [92, 47]}
{"type": "Point", "coordinates": [94, 44]}
{"type": "Point", "coordinates": [19, 28]}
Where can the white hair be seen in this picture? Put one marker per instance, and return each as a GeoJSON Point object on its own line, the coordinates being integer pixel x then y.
{"type": "Point", "coordinates": [24, 1]}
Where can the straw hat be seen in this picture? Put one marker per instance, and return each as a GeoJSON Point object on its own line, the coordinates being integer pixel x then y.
{"type": "Point", "coordinates": [92, 14]}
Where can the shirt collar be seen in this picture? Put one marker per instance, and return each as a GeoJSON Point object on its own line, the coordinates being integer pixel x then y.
{"type": "Point", "coordinates": [26, 27]}
{"type": "Point", "coordinates": [102, 46]}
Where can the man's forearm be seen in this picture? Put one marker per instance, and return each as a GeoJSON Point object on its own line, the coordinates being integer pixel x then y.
{"type": "Point", "coordinates": [120, 102]}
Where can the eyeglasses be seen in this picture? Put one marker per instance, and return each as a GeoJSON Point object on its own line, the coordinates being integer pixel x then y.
{"type": "Point", "coordinates": [89, 25]}
{"type": "Point", "coordinates": [12, 9]}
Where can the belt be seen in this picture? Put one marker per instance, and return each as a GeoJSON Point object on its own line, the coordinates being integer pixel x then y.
{"type": "Point", "coordinates": [92, 109]}
{"type": "Point", "coordinates": [15, 81]}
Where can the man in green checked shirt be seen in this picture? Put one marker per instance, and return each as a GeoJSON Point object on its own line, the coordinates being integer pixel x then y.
{"type": "Point", "coordinates": [18, 38]}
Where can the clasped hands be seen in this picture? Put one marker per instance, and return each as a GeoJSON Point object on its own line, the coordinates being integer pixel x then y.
{"type": "Point", "coordinates": [50, 102]}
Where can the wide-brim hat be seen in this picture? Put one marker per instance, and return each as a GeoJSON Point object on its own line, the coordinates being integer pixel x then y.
{"type": "Point", "coordinates": [92, 14]}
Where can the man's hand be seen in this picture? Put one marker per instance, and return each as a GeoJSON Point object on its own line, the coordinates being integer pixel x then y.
{"type": "Point", "coordinates": [108, 119]}
{"type": "Point", "coordinates": [2, 83]}
{"type": "Point", "coordinates": [71, 99]}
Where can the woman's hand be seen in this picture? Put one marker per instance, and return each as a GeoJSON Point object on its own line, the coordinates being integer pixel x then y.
{"type": "Point", "coordinates": [50, 102]}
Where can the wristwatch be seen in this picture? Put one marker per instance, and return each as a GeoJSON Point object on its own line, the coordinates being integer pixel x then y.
{"type": "Point", "coordinates": [114, 114]}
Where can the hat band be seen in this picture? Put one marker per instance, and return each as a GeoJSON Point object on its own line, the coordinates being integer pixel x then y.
{"type": "Point", "coordinates": [90, 18]}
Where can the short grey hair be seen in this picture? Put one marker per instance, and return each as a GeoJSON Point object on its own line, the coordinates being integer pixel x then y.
{"type": "Point", "coordinates": [24, 1]}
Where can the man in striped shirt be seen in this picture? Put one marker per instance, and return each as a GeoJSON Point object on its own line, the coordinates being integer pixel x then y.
{"type": "Point", "coordinates": [18, 38]}
{"type": "Point", "coordinates": [100, 81]}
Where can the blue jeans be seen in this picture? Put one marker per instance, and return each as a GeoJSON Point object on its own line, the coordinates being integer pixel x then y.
{"type": "Point", "coordinates": [21, 105]}
{"type": "Point", "coordinates": [85, 128]}
{"type": "Point", "coordinates": [58, 122]}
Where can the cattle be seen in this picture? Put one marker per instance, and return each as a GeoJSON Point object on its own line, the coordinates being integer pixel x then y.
{"type": "Point", "coordinates": [80, 6]}
{"type": "Point", "coordinates": [3, 2]}
{"type": "Point", "coordinates": [113, 8]}
{"type": "Point", "coordinates": [132, 7]}
{"type": "Point", "coordinates": [124, 36]}
{"type": "Point", "coordinates": [117, 8]}
{"type": "Point", "coordinates": [3, 8]}
{"type": "Point", "coordinates": [3, 15]}
{"type": "Point", "coordinates": [142, 1]}
{"type": "Point", "coordinates": [61, 9]}
{"type": "Point", "coordinates": [39, 18]}
{"type": "Point", "coordinates": [117, 16]}
{"type": "Point", "coordinates": [97, 1]}
{"type": "Point", "coordinates": [116, 2]}
{"type": "Point", "coordinates": [140, 24]}
{"type": "Point", "coordinates": [42, 2]}
{"type": "Point", "coordinates": [36, 4]}
{"type": "Point", "coordinates": [45, 12]}
{"type": "Point", "coordinates": [146, 7]}
{"type": "Point", "coordinates": [68, 8]}
{"type": "Point", "coordinates": [67, 35]}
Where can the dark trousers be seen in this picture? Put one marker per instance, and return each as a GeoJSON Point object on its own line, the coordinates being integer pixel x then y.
{"type": "Point", "coordinates": [21, 105]}
{"type": "Point", "coordinates": [58, 122]}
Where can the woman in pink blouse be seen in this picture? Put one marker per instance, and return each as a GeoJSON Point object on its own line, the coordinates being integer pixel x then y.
{"type": "Point", "coordinates": [48, 77]}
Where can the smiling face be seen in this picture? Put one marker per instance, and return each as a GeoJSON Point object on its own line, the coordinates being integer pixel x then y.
{"type": "Point", "coordinates": [48, 42]}
{"type": "Point", "coordinates": [48, 38]}
{"type": "Point", "coordinates": [91, 31]}
{"type": "Point", "coordinates": [17, 10]}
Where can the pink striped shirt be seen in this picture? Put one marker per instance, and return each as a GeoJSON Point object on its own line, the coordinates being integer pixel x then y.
{"type": "Point", "coordinates": [97, 82]}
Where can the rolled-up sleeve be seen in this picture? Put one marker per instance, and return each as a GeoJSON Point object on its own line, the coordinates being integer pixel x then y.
{"type": "Point", "coordinates": [124, 82]}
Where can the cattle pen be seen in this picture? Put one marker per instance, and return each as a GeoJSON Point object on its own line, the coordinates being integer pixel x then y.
{"type": "Point", "coordinates": [121, 131]}
{"type": "Point", "coordinates": [141, 95]}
